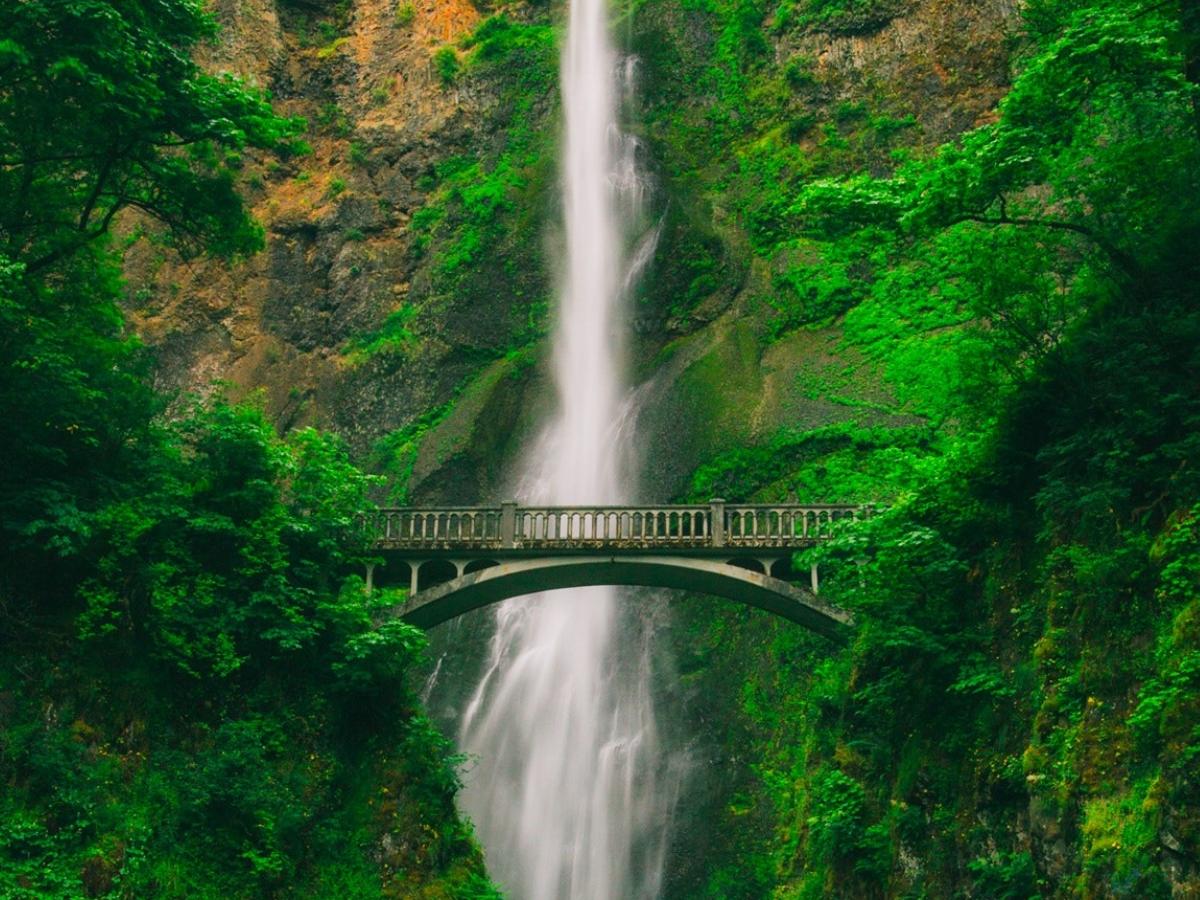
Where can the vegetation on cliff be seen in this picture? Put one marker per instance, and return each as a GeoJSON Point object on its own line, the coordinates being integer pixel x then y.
{"type": "Point", "coordinates": [1017, 716]}
{"type": "Point", "coordinates": [194, 699]}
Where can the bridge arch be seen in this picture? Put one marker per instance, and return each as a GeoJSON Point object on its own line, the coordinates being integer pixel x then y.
{"type": "Point", "coordinates": [443, 602]}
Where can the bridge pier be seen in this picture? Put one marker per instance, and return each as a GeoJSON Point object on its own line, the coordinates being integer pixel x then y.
{"type": "Point", "coordinates": [370, 579]}
{"type": "Point", "coordinates": [768, 563]}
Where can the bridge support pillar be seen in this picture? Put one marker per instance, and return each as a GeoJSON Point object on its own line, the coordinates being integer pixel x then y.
{"type": "Point", "coordinates": [716, 512]}
{"type": "Point", "coordinates": [370, 579]}
{"type": "Point", "coordinates": [816, 579]}
{"type": "Point", "coordinates": [508, 525]}
{"type": "Point", "coordinates": [415, 568]}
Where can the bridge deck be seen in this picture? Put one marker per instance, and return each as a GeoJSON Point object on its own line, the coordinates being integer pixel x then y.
{"type": "Point", "coordinates": [714, 528]}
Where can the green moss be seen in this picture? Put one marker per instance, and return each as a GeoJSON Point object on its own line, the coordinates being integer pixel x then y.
{"type": "Point", "coordinates": [465, 429]}
{"type": "Point", "coordinates": [395, 454]}
{"type": "Point", "coordinates": [849, 16]}
{"type": "Point", "coordinates": [720, 389]}
{"type": "Point", "coordinates": [394, 337]}
{"type": "Point", "coordinates": [332, 48]}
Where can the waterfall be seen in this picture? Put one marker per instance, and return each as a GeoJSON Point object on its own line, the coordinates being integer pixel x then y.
{"type": "Point", "coordinates": [568, 794]}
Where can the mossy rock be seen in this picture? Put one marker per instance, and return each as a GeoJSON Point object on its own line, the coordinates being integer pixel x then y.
{"type": "Point", "coordinates": [463, 457]}
{"type": "Point", "coordinates": [854, 17]}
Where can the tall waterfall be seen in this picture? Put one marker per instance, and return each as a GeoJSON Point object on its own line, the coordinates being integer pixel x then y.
{"type": "Point", "coordinates": [566, 794]}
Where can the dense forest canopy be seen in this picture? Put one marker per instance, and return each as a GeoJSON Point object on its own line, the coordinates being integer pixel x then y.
{"type": "Point", "coordinates": [1029, 644]}
{"type": "Point", "coordinates": [196, 696]}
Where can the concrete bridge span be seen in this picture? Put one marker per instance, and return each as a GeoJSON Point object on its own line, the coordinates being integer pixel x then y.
{"type": "Point", "coordinates": [440, 603]}
{"type": "Point", "coordinates": [462, 558]}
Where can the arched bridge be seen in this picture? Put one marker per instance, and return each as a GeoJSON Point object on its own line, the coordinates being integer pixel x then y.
{"type": "Point", "coordinates": [456, 559]}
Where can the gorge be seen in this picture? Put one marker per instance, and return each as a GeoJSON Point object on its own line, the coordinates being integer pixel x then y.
{"type": "Point", "coordinates": [934, 256]}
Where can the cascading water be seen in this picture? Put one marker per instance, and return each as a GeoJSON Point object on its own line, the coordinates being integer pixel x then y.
{"type": "Point", "coordinates": [566, 795]}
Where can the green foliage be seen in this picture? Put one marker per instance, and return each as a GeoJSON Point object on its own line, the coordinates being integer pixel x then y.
{"type": "Point", "coordinates": [744, 133]}
{"type": "Point", "coordinates": [837, 808]}
{"type": "Point", "coordinates": [237, 563]}
{"type": "Point", "coordinates": [480, 230]}
{"type": "Point", "coordinates": [1025, 664]}
{"type": "Point", "coordinates": [393, 337]}
{"type": "Point", "coordinates": [77, 405]}
{"type": "Point", "coordinates": [406, 14]}
{"type": "Point", "coordinates": [842, 464]}
{"type": "Point", "coordinates": [1010, 876]}
{"type": "Point", "coordinates": [396, 453]}
{"type": "Point", "coordinates": [332, 48]}
{"type": "Point", "coordinates": [446, 64]}
{"type": "Point", "coordinates": [520, 50]}
{"type": "Point", "coordinates": [221, 586]}
{"type": "Point", "coordinates": [146, 125]}
{"type": "Point", "coordinates": [473, 206]}
{"type": "Point", "coordinates": [332, 119]}
{"type": "Point", "coordinates": [195, 697]}
{"type": "Point", "coordinates": [850, 16]}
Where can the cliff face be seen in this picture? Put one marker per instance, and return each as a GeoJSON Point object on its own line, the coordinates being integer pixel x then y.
{"type": "Point", "coordinates": [361, 319]}
{"type": "Point", "coordinates": [340, 261]}
{"type": "Point", "coordinates": [402, 300]}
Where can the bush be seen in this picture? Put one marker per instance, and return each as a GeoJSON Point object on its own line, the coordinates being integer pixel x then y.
{"type": "Point", "coordinates": [446, 65]}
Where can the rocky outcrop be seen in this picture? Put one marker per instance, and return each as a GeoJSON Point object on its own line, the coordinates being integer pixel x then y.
{"type": "Point", "coordinates": [339, 258]}
{"type": "Point", "coordinates": [342, 263]}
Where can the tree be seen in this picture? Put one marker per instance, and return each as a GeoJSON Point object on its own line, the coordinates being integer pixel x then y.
{"type": "Point", "coordinates": [998, 243]}
{"type": "Point", "coordinates": [103, 108]}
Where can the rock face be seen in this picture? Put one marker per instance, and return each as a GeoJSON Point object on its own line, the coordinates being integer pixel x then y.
{"type": "Point", "coordinates": [346, 269]}
{"type": "Point", "coordinates": [339, 258]}
{"type": "Point", "coordinates": [354, 318]}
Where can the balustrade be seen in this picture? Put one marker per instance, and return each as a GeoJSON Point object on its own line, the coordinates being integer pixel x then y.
{"type": "Point", "coordinates": [710, 526]}
{"type": "Point", "coordinates": [467, 525]}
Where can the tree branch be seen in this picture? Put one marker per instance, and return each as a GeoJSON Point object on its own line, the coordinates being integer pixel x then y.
{"type": "Point", "coordinates": [1124, 261]}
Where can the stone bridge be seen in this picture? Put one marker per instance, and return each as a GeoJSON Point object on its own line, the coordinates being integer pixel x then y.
{"type": "Point", "coordinates": [455, 559]}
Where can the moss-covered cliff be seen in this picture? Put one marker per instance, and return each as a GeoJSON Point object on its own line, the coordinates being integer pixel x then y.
{"type": "Point", "coordinates": [406, 255]}
{"type": "Point", "coordinates": [1012, 720]}
{"type": "Point", "coordinates": [931, 254]}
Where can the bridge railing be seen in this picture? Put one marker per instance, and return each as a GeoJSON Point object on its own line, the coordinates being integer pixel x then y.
{"type": "Point", "coordinates": [756, 525]}
{"type": "Point", "coordinates": [549, 526]}
{"type": "Point", "coordinates": [713, 525]}
{"type": "Point", "coordinates": [455, 525]}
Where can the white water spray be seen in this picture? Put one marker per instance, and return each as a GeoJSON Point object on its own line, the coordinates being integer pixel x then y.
{"type": "Point", "coordinates": [567, 795]}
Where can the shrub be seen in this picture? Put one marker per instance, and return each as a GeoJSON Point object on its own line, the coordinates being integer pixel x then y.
{"type": "Point", "coordinates": [446, 64]}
